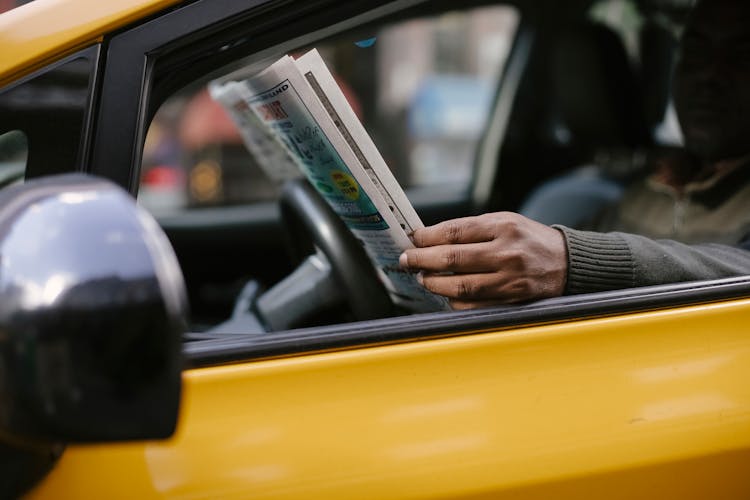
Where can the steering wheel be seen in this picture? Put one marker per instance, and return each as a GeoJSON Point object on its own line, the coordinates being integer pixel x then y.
{"type": "Point", "coordinates": [336, 272]}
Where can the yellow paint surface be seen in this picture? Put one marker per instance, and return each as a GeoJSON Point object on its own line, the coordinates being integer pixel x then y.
{"type": "Point", "coordinates": [42, 31]}
{"type": "Point", "coordinates": [649, 405]}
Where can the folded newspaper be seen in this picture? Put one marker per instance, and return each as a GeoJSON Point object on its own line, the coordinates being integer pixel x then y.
{"type": "Point", "coordinates": [297, 104]}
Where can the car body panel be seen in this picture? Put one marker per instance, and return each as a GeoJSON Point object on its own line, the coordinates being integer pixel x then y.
{"type": "Point", "coordinates": [645, 405]}
{"type": "Point", "coordinates": [45, 30]}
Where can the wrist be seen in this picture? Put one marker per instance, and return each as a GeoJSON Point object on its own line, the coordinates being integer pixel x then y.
{"type": "Point", "coordinates": [596, 261]}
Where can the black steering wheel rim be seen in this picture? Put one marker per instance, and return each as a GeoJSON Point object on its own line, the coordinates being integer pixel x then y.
{"type": "Point", "coordinates": [310, 223]}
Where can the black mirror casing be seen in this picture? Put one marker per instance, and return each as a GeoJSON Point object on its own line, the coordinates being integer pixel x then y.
{"type": "Point", "coordinates": [92, 307]}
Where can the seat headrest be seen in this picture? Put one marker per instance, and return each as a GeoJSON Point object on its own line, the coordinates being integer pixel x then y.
{"type": "Point", "coordinates": [596, 89]}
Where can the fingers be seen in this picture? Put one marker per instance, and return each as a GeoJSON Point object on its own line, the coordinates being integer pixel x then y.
{"type": "Point", "coordinates": [495, 288]}
{"type": "Point", "coordinates": [466, 258]}
{"type": "Point", "coordinates": [451, 232]}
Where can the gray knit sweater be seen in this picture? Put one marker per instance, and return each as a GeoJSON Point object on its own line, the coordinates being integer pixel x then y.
{"type": "Point", "coordinates": [655, 236]}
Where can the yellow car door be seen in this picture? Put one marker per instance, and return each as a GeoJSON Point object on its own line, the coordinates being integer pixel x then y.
{"type": "Point", "coordinates": [642, 404]}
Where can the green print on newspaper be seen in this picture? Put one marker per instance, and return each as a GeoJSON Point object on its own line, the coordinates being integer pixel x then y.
{"type": "Point", "coordinates": [317, 157]}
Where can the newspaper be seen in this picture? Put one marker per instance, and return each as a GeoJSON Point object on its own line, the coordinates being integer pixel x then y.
{"type": "Point", "coordinates": [304, 109]}
{"type": "Point", "coordinates": [276, 163]}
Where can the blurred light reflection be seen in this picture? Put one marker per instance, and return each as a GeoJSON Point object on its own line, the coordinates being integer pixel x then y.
{"type": "Point", "coordinates": [674, 371]}
{"type": "Point", "coordinates": [433, 408]}
{"type": "Point", "coordinates": [439, 446]}
{"type": "Point", "coordinates": [685, 407]}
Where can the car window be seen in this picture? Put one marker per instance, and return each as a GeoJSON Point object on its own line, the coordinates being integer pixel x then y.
{"type": "Point", "coordinates": [14, 149]}
{"type": "Point", "coordinates": [423, 89]}
{"type": "Point", "coordinates": [48, 112]}
{"type": "Point", "coordinates": [566, 111]}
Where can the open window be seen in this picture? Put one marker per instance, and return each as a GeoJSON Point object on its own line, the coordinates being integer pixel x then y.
{"type": "Point", "coordinates": [423, 87]}
{"type": "Point", "coordinates": [220, 213]}
{"type": "Point", "coordinates": [422, 82]}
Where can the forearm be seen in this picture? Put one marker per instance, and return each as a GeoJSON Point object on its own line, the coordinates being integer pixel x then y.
{"type": "Point", "coordinates": [610, 261]}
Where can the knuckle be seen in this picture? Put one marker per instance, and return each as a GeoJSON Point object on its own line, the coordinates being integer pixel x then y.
{"type": "Point", "coordinates": [511, 260]}
{"type": "Point", "coordinates": [465, 289]}
{"type": "Point", "coordinates": [523, 287]}
{"type": "Point", "coordinates": [453, 231]}
{"type": "Point", "coordinates": [513, 229]}
{"type": "Point", "coordinates": [520, 289]}
{"type": "Point", "coordinates": [452, 258]}
{"type": "Point", "coordinates": [413, 258]}
{"type": "Point", "coordinates": [515, 259]}
{"type": "Point", "coordinates": [508, 224]}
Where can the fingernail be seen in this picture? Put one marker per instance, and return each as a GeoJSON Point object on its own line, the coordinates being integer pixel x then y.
{"type": "Point", "coordinates": [403, 260]}
{"type": "Point", "coordinates": [420, 279]}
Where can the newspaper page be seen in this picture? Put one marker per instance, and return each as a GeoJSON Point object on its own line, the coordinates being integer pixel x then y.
{"type": "Point", "coordinates": [272, 158]}
{"type": "Point", "coordinates": [305, 109]}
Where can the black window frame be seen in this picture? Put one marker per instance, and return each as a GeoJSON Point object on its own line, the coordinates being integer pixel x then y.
{"type": "Point", "coordinates": [186, 43]}
{"type": "Point", "coordinates": [197, 38]}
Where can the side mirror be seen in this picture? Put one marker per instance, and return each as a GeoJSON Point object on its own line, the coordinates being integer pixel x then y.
{"type": "Point", "coordinates": [92, 306]}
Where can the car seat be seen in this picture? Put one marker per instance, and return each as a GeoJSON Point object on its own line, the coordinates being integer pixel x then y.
{"type": "Point", "coordinates": [601, 104]}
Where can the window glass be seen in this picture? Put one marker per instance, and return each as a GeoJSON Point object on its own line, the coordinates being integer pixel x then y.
{"type": "Point", "coordinates": [14, 149]}
{"type": "Point", "coordinates": [423, 89]}
{"type": "Point", "coordinates": [51, 107]}
{"type": "Point", "coordinates": [437, 79]}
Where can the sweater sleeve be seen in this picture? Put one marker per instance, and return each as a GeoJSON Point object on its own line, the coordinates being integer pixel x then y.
{"type": "Point", "coordinates": [611, 261]}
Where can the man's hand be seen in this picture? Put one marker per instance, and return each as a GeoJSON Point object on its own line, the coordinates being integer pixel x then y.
{"type": "Point", "coordinates": [495, 258]}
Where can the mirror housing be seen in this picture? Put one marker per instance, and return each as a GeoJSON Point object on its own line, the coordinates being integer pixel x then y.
{"type": "Point", "coordinates": [92, 307]}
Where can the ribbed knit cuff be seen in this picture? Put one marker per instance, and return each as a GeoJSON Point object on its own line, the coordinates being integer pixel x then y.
{"type": "Point", "coordinates": [597, 261]}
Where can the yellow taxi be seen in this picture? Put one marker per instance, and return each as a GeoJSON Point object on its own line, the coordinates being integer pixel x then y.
{"type": "Point", "coordinates": [110, 389]}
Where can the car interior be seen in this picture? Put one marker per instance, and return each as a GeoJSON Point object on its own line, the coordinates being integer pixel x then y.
{"type": "Point", "coordinates": [482, 107]}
